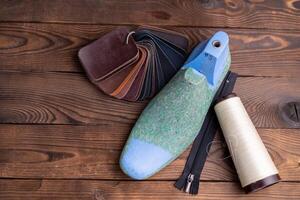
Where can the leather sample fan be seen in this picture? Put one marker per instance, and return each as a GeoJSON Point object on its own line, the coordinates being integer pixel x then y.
{"type": "Point", "coordinates": [134, 65]}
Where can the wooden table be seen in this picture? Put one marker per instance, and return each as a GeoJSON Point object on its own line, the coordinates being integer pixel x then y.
{"type": "Point", "coordinates": [60, 137]}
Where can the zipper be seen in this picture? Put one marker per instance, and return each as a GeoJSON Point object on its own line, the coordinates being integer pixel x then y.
{"type": "Point", "coordinates": [189, 180]}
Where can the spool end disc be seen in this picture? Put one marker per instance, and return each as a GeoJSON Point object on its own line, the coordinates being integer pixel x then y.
{"type": "Point", "coordinates": [263, 183]}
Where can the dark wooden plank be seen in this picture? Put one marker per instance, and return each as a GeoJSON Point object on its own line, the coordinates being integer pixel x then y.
{"type": "Point", "coordinates": [278, 14]}
{"type": "Point", "coordinates": [54, 47]}
{"type": "Point", "coordinates": [48, 151]}
{"type": "Point", "coordinates": [114, 190]}
{"type": "Point", "coordinates": [58, 98]}
{"type": "Point", "coordinates": [64, 98]}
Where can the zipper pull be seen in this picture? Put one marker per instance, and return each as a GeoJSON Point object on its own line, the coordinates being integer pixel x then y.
{"type": "Point", "coordinates": [190, 179]}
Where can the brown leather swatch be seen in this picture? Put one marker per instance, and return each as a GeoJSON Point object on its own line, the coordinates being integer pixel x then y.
{"type": "Point", "coordinates": [124, 87]}
{"type": "Point", "coordinates": [136, 88]}
{"type": "Point", "coordinates": [108, 54]}
{"type": "Point", "coordinates": [111, 83]}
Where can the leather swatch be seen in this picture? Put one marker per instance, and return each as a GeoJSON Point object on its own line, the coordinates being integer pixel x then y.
{"type": "Point", "coordinates": [134, 65]}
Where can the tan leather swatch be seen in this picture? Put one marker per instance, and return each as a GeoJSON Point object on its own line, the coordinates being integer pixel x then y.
{"type": "Point", "coordinates": [126, 84]}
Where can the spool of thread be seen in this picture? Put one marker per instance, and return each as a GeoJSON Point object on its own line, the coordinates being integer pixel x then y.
{"type": "Point", "coordinates": [252, 161]}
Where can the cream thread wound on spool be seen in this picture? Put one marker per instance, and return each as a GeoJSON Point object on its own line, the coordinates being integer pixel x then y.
{"type": "Point", "coordinates": [252, 161]}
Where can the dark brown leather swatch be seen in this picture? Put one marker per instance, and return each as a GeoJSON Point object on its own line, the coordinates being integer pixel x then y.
{"type": "Point", "coordinates": [108, 54]}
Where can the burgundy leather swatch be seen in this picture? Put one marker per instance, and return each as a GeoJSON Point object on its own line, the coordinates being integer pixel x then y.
{"type": "Point", "coordinates": [108, 54]}
{"type": "Point", "coordinates": [134, 65]}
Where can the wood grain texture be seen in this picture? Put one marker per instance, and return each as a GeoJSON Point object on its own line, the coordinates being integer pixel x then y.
{"type": "Point", "coordinates": [64, 98]}
{"type": "Point", "coordinates": [57, 98]}
{"type": "Point", "coordinates": [278, 14]}
{"type": "Point", "coordinates": [92, 152]}
{"type": "Point", "coordinates": [115, 190]}
{"type": "Point", "coordinates": [61, 138]}
{"type": "Point", "coordinates": [54, 47]}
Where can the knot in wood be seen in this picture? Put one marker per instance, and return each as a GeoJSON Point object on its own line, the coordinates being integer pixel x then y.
{"type": "Point", "coordinates": [99, 195]}
{"type": "Point", "coordinates": [290, 113]}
